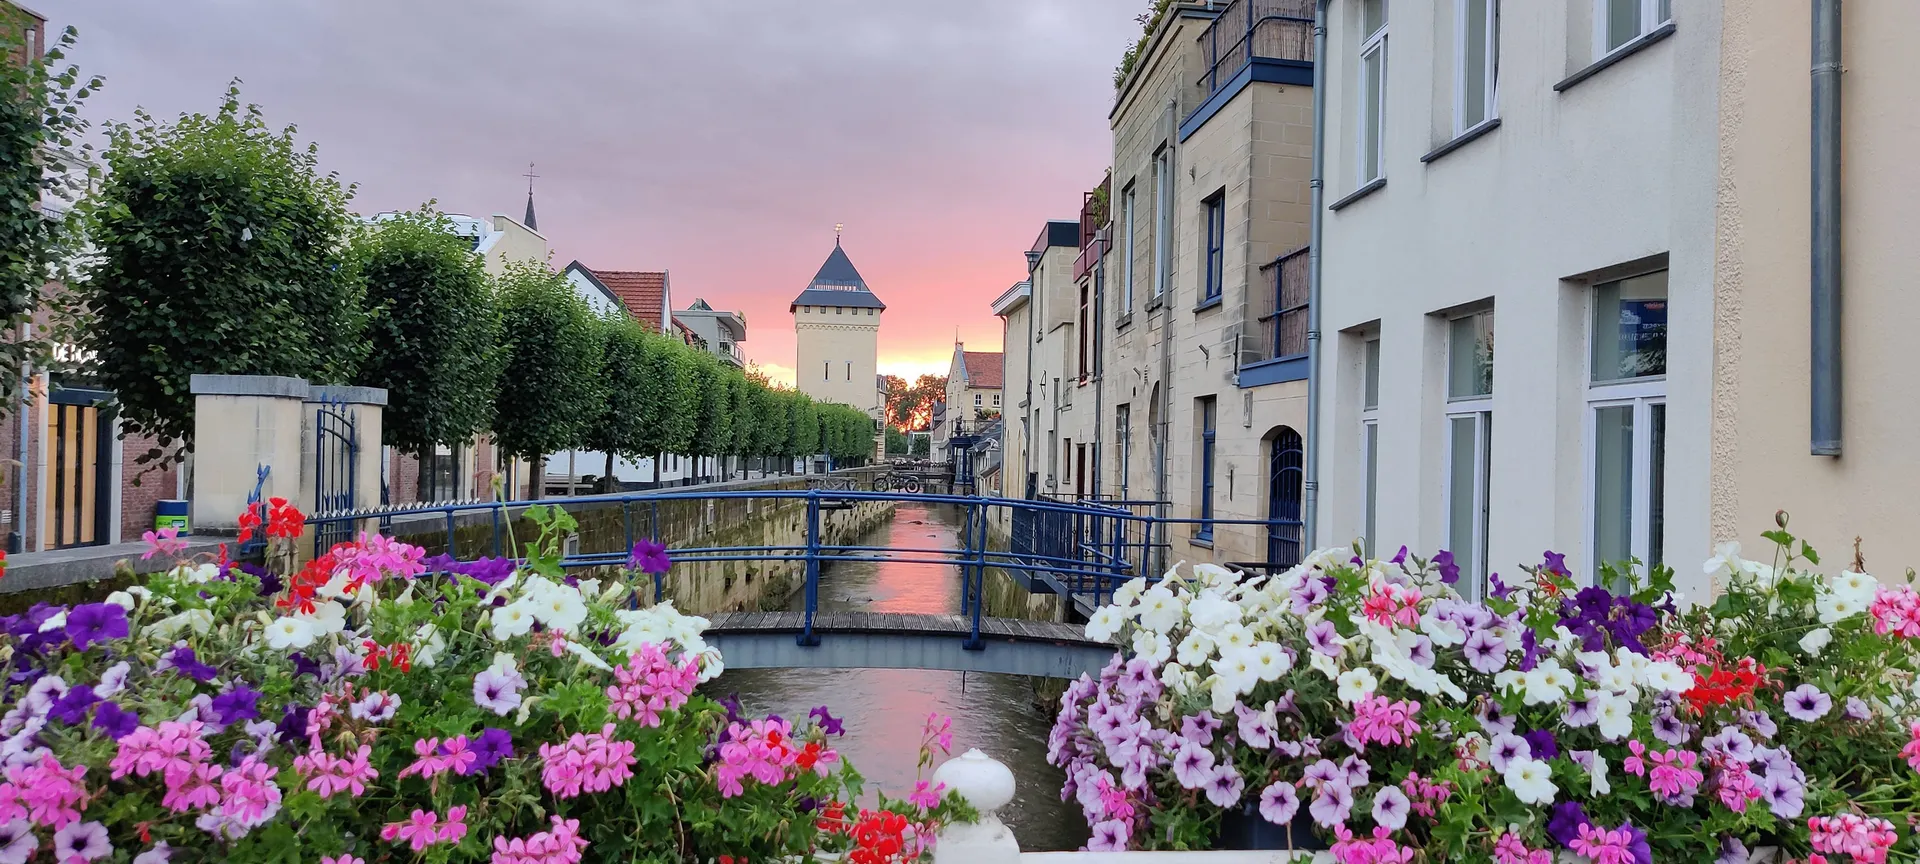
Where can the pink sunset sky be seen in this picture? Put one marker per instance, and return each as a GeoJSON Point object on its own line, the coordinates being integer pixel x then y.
{"type": "Point", "coordinates": [718, 141]}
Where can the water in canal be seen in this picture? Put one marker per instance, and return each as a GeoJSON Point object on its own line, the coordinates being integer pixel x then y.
{"type": "Point", "coordinates": [884, 708]}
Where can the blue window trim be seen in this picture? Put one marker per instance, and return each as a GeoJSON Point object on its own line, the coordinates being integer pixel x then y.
{"type": "Point", "coordinates": [1216, 245]}
{"type": "Point", "coordinates": [1208, 417]}
{"type": "Point", "coordinates": [1266, 70]}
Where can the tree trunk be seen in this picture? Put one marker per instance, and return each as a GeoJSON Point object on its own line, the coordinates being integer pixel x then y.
{"type": "Point", "coordinates": [537, 484]}
{"type": "Point", "coordinates": [606, 480]}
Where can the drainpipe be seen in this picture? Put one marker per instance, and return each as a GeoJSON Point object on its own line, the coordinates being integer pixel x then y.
{"type": "Point", "coordinates": [1311, 482]}
{"type": "Point", "coordinates": [17, 538]}
{"type": "Point", "coordinates": [1166, 324]}
{"type": "Point", "coordinates": [1825, 320]}
{"type": "Point", "coordinates": [1028, 416]}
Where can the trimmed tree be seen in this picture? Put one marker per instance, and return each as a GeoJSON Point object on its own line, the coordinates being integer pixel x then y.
{"type": "Point", "coordinates": [433, 331]}
{"type": "Point", "coordinates": [713, 416]}
{"type": "Point", "coordinates": [623, 379]}
{"type": "Point", "coordinates": [39, 158]}
{"type": "Point", "coordinates": [218, 249]}
{"type": "Point", "coordinates": [670, 398]}
{"type": "Point", "coordinates": [549, 394]}
{"type": "Point", "coordinates": [740, 396]}
{"type": "Point", "coordinates": [805, 440]}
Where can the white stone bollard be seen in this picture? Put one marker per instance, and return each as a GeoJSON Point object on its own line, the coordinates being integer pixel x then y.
{"type": "Point", "coordinates": [988, 786]}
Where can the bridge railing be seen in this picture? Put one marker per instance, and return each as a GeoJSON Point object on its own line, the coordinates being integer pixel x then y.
{"type": "Point", "coordinates": [1080, 549]}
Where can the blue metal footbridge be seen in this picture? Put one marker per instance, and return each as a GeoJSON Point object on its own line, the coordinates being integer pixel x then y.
{"type": "Point", "coordinates": [1079, 549]}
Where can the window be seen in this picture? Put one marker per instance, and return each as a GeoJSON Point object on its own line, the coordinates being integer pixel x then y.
{"type": "Point", "coordinates": [1162, 222]}
{"type": "Point", "coordinates": [1627, 420]}
{"type": "Point", "coordinates": [978, 400]}
{"type": "Point", "coordinates": [1370, 443]}
{"type": "Point", "coordinates": [1373, 89]}
{"type": "Point", "coordinates": [1066, 455]}
{"type": "Point", "coordinates": [1469, 444]}
{"type": "Point", "coordinates": [1126, 252]}
{"type": "Point", "coordinates": [849, 370]}
{"type": "Point", "coordinates": [839, 310]}
{"type": "Point", "coordinates": [826, 370]}
{"type": "Point", "coordinates": [1477, 62]}
{"type": "Point", "coordinates": [1206, 469]}
{"type": "Point", "coordinates": [1622, 21]}
{"type": "Point", "coordinates": [1084, 366]}
{"type": "Point", "coordinates": [996, 400]}
{"type": "Point", "coordinates": [1123, 442]}
{"type": "Point", "coordinates": [1216, 243]}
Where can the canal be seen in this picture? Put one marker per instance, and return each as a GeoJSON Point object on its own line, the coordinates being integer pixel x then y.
{"type": "Point", "coordinates": [884, 708]}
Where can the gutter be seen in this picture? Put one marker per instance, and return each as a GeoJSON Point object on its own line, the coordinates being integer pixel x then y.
{"type": "Point", "coordinates": [1824, 321]}
{"type": "Point", "coordinates": [1310, 514]}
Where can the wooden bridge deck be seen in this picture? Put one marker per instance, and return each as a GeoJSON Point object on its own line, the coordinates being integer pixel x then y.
{"type": "Point", "coordinates": [892, 640]}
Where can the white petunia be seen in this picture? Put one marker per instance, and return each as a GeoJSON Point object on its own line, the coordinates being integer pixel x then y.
{"type": "Point", "coordinates": [1531, 781]}
{"type": "Point", "coordinates": [1725, 560]}
{"type": "Point", "coordinates": [586, 655]}
{"type": "Point", "coordinates": [1666, 677]}
{"type": "Point", "coordinates": [1444, 633]}
{"type": "Point", "coordinates": [1239, 667]}
{"type": "Point", "coordinates": [513, 619]}
{"type": "Point", "coordinates": [1104, 623]}
{"type": "Point", "coordinates": [1323, 664]}
{"type": "Point", "coordinates": [328, 618]}
{"type": "Point", "coordinates": [1858, 586]}
{"type": "Point", "coordinates": [1597, 775]}
{"type": "Point", "coordinates": [1547, 683]}
{"type": "Point", "coordinates": [1129, 593]}
{"type": "Point", "coordinates": [1617, 679]}
{"type": "Point", "coordinates": [429, 645]}
{"type": "Point", "coordinates": [1195, 649]}
{"type": "Point", "coordinates": [1355, 685]}
{"type": "Point", "coordinates": [1271, 661]}
{"type": "Point", "coordinates": [1834, 608]}
{"type": "Point", "coordinates": [1509, 679]}
{"type": "Point", "coordinates": [1225, 695]}
{"type": "Point", "coordinates": [1152, 646]}
{"type": "Point", "coordinates": [1233, 636]}
{"type": "Point", "coordinates": [1211, 612]}
{"type": "Point", "coordinates": [289, 632]}
{"type": "Point", "coordinates": [1614, 716]}
{"type": "Point", "coordinates": [561, 609]}
{"type": "Point", "coordinates": [1816, 641]}
{"type": "Point", "coordinates": [55, 622]}
{"type": "Point", "coordinates": [121, 599]}
{"type": "Point", "coordinates": [1159, 609]}
{"type": "Point", "coordinates": [1213, 575]}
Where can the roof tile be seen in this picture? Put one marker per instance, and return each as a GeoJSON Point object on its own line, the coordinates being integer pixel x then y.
{"type": "Point", "coordinates": [985, 369]}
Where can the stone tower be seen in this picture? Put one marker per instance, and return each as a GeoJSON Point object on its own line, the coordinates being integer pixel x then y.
{"type": "Point", "coordinates": [836, 328]}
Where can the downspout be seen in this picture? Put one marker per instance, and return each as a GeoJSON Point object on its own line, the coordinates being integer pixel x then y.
{"type": "Point", "coordinates": [17, 538]}
{"type": "Point", "coordinates": [1160, 458]}
{"type": "Point", "coordinates": [1825, 320]}
{"type": "Point", "coordinates": [1310, 517]}
{"type": "Point", "coordinates": [1028, 416]}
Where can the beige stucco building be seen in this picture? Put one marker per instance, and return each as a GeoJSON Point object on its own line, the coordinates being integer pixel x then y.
{"type": "Point", "coordinates": [1014, 311]}
{"type": "Point", "coordinates": [973, 395]}
{"type": "Point", "coordinates": [1619, 192]}
{"type": "Point", "coordinates": [836, 326]}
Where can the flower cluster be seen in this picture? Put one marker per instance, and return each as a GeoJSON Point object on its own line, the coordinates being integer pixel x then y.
{"type": "Point", "coordinates": [1389, 709]}
{"type": "Point", "coordinates": [372, 702]}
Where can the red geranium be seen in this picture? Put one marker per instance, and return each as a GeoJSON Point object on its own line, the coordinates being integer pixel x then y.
{"type": "Point", "coordinates": [1722, 686]}
{"type": "Point", "coordinates": [879, 838]}
{"type": "Point", "coordinates": [283, 519]}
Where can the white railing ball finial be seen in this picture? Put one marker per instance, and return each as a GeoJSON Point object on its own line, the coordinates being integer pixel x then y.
{"type": "Point", "coordinates": [987, 785]}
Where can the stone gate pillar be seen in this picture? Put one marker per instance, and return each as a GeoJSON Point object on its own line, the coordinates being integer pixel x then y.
{"type": "Point", "coordinates": [241, 424]}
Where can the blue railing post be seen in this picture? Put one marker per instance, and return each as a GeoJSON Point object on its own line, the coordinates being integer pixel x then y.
{"type": "Point", "coordinates": [807, 636]}
{"type": "Point", "coordinates": [977, 547]}
{"type": "Point", "coordinates": [498, 508]}
{"type": "Point", "coordinates": [451, 550]}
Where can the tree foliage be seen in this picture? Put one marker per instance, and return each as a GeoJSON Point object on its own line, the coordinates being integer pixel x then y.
{"type": "Point", "coordinates": [911, 407]}
{"type": "Point", "coordinates": [218, 249]}
{"type": "Point", "coordinates": [713, 412]}
{"type": "Point", "coordinates": [623, 378]}
{"type": "Point", "coordinates": [671, 396]}
{"type": "Point", "coordinates": [550, 393]}
{"type": "Point", "coordinates": [433, 330]}
{"type": "Point", "coordinates": [41, 160]}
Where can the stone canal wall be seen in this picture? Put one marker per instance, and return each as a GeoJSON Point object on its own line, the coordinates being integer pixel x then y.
{"type": "Point", "coordinates": [750, 524]}
{"type": "Point", "coordinates": [1005, 597]}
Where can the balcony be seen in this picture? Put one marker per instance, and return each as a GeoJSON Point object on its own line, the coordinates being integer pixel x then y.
{"type": "Point", "coordinates": [1252, 40]}
{"type": "Point", "coordinates": [1094, 216]}
{"type": "Point", "coordinates": [1274, 349]}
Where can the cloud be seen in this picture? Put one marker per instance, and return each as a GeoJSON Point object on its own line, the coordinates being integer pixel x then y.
{"type": "Point", "coordinates": [719, 141]}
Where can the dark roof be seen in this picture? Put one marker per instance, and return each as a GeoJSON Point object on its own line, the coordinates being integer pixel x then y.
{"type": "Point", "coordinates": [1058, 232]}
{"type": "Point", "coordinates": [529, 221]}
{"type": "Point", "coordinates": [837, 284]}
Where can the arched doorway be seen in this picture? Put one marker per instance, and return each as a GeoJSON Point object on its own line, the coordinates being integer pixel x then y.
{"type": "Point", "coordinates": [1286, 461]}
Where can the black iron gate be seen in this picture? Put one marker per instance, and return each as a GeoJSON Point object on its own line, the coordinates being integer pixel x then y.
{"type": "Point", "coordinates": [79, 438]}
{"type": "Point", "coordinates": [1284, 475]}
{"type": "Point", "coordinates": [336, 455]}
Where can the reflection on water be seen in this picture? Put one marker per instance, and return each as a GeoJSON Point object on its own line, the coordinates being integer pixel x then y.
{"type": "Point", "coordinates": [884, 708]}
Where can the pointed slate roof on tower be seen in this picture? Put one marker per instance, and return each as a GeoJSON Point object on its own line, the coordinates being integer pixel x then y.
{"type": "Point", "coordinates": [837, 284]}
{"type": "Point", "coordinates": [530, 222]}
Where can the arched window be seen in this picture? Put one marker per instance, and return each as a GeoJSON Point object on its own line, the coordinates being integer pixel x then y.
{"type": "Point", "coordinates": [1285, 471]}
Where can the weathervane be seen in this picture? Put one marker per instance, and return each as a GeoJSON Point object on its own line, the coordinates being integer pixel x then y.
{"type": "Point", "coordinates": [837, 228]}
{"type": "Point", "coordinates": [530, 177]}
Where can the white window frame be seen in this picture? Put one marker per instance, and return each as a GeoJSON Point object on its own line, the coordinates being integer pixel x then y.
{"type": "Point", "coordinates": [1653, 14]}
{"type": "Point", "coordinates": [1128, 250]}
{"type": "Point", "coordinates": [1490, 93]}
{"type": "Point", "coordinates": [1162, 222]}
{"type": "Point", "coordinates": [1371, 44]}
{"type": "Point", "coordinates": [1478, 407]}
{"type": "Point", "coordinates": [1641, 394]}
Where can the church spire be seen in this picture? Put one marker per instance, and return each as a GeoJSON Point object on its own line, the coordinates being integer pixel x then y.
{"type": "Point", "coordinates": [530, 222]}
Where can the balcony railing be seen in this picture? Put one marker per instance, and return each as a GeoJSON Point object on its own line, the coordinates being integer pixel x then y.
{"type": "Point", "coordinates": [1270, 29]}
{"type": "Point", "coordinates": [1282, 307]}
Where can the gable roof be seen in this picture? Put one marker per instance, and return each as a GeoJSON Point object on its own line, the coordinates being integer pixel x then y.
{"type": "Point", "coordinates": [837, 284]}
{"type": "Point", "coordinates": [642, 292]}
{"type": "Point", "coordinates": [985, 369]}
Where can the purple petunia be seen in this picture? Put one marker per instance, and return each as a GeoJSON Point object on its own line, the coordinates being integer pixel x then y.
{"type": "Point", "coordinates": [1332, 804]}
{"type": "Point", "coordinates": [293, 723]}
{"type": "Point", "coordinates": [1732, 851]}
{"type": "Point", "coordinates": [1200, 727]}
{"type": "Point", "coordinates": [1449, 571]}
{"type": "Point", "coordinates": [829, 724]}
{"type": "Point", "coordinates": [1499, 587]}
{"type": "Point", "coordinates": [1542, 743]}
{"type": "Point", "coordinates": [1786, 797]}
{"type": "Point", "coordinates": [649, 557]}
{"type": "Point", "coordinates": [1858, 709]}
{"type": "Point", "coordinates": [241, 702]}
{"type": "Point", "coordinates": [1581, 713]}
{"type": "Point", "coordinates": [1806, 703]}
{"type": "Point", "coordinates": [1760, 722]}
{"type": "Point", "coordinates": [96, 622]}
{"type": "Point", "coordinates": [1278, 803]}
{"type": "Point", "coordinates": [1555, 563]}
{"type": "Point", "coordinates": [1109, 836]}
{"type": "Point", "coordinates": [1505, 748]}
{"type": "Point", "coordinates": [1399, 557]}
{"type": "Point", "coordinates": [1324, 638]}
{"type": "Point", "coordinates": [1193, 766]}
{"type": "Point", "coordinates": [489, 747]}
{"type": "Point", "coordinates": [1224, 786]}
{"type": "Point", "coordinates": [1670, 729]}
{"type": "Point", "coordinates": [1565, 823]}
{"type": "Point", "coordinates": [1637, 844]}
{"type": "Point", "coordinates": [1486, 652]}
{"type": "Point", "coordinates": [71, 708]}
{"type": "Point", "coordinates": [1390, 808]}
{"type": "Point", "coordinates": [117, 722]}
{"type": "Point", "coordinates": [185, 662]}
